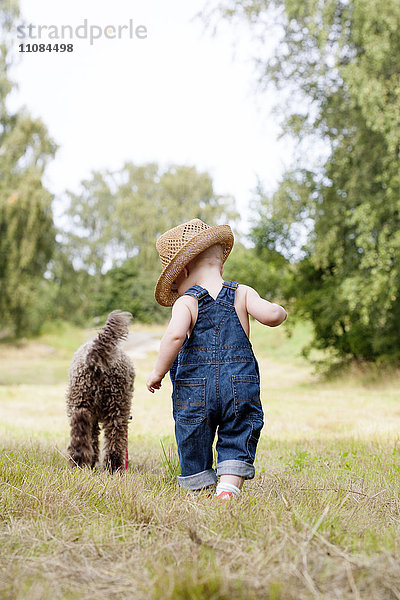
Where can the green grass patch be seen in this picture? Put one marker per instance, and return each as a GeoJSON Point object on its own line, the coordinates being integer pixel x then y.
{"type": "Point", "coordinates": [280, 343]}
{"type": "Point", "coordinates": [68, 531]}
{"type": "Point", "coordinates": [319, 520]}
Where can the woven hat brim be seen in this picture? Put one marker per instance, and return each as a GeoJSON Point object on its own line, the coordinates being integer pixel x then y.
{"type": "Point", "coordinates": [220, 234]}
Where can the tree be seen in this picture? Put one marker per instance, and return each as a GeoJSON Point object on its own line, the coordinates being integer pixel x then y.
{"type": "Point", "coordinates": [131, 288]}
{"type": "Point", "coordinates": [113, 223]}
{"type": "Point", "coordinates": [27, 235]}
{"type": "Point", "coordinates": [339, 62]}
{"type": "Point", "coordinates": [118, 215]}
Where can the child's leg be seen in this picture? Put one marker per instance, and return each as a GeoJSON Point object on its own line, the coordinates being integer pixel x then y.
{"type": "Point", "coordinates": [194, 441]}
{"type": "Point", "coordinates": [236, 448]}
{"type": "Point", "coordinates": [238, 435]}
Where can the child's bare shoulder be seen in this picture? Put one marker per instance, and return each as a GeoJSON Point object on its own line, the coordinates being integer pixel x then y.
{"type": "Point", "coordinates": [186, 303]}
{"type": "Point", "coordinates": [185, 307]}
{"type": "Point", "coordinates": [245, 295]}
{"type": "Point", "coordinates": [243, 291]}
{"type": "Point", "coordinates": [267, 313]}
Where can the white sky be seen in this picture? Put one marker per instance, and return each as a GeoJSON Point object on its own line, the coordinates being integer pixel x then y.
{"type": "Point", "coordinates": [180, 96]}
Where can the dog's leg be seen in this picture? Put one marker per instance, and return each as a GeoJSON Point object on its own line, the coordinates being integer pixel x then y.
{"type": "Point", "coordinates": [115, 444]}
{"type": "Point", "coordinates": [80, 448]}
{"type": "Point", "coordinates": [95, 442]}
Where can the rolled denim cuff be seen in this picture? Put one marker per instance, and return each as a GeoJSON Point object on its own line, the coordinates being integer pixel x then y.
{"type": "Point", "coordinates": [198, 480]}
{"type": "Point", "coordinates": [236, 467]}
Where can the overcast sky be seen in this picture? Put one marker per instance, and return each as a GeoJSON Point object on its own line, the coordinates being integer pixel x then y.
{"type": "Point", "coordinates": [180, 95]}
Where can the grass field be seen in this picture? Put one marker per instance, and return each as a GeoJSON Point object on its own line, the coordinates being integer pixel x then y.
{"type": "Point", "coordinates": [320, 519]}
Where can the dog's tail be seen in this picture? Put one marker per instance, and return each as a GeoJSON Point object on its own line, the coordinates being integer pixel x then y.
{"type": "Point", "coordinates": [115, 330]}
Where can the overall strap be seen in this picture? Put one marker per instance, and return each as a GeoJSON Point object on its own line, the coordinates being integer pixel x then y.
{"type": "Point", "coordinates": [197, 292]}
{"type": "Point", "coordinates": [227, 294]}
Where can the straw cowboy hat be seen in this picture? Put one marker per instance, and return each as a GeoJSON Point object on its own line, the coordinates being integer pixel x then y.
{"type": "Point", "coordinates": [178, 246]}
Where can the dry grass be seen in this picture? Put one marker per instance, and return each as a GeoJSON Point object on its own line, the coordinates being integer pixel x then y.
{"type": "Point", "coordinates": [320, 520]}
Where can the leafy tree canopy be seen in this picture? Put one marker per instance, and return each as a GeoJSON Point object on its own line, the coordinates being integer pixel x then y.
{"type": "Point", "coordinates": [27, 235]}
{"type": "Point", "coordinates": [112, 224]}
{"type": "Point", "coordinates": [338, 66]}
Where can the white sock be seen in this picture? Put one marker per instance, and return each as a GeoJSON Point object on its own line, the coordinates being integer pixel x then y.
{"type": "Point", "coordinates": [227, 487]}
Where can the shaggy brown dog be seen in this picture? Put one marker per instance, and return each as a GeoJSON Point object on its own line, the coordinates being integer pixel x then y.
{"type": "Point", "coordinates": [100, 389]}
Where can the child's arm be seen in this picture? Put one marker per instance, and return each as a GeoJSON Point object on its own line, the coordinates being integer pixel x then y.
{"type": "Point", "coordinates": [265, 312]}
{"type": "Point", "coordinates": [171, 342]}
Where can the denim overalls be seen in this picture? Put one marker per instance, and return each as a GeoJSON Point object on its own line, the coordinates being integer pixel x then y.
{"type": "Point", "coordinates": [216, 384]}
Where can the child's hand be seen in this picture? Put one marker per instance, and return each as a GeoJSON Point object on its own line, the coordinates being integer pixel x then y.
{"type": "Point", "coordinates": [154, 382]}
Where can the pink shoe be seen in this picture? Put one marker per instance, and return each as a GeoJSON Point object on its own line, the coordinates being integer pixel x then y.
{"type": "Point", "coordinates": [224, 496]}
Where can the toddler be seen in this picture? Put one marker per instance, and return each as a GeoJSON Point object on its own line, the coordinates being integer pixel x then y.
{"type": "Point", "coordinates": [206, 348]}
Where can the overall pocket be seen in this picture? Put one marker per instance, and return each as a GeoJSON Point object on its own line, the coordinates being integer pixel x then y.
{"type": "Point", "coordinates": [189, 400]}
{"type": "Point", "coordinates": [246, 397]}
